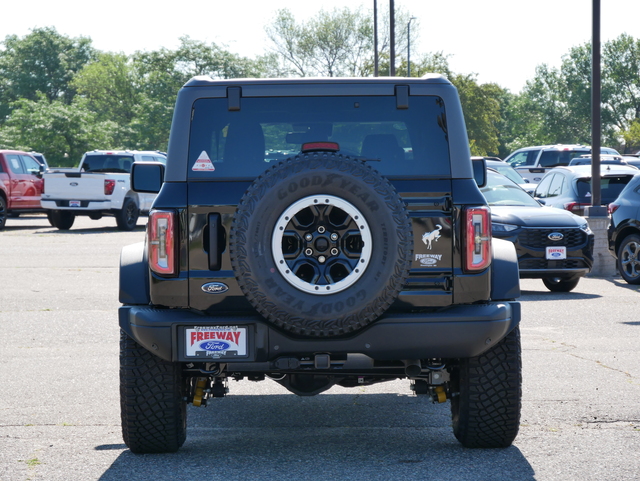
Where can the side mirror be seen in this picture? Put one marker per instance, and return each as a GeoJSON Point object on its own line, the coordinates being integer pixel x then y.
{"type": "Point", "coordinates": [147, 177]}
{"type": "Point", "coordinates": [480, 171]}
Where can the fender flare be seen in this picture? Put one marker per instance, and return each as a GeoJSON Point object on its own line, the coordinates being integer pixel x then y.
{"type": "Point", "coordinates": [134, 275]}
{"type": "Point", "coordinates": [505, 274]}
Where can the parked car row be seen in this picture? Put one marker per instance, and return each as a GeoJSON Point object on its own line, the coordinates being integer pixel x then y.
{"type": "Point", "coordinates": [569, 188]}
{"type": "Point", "coordinates": [98, 186]}
{"type": "Point", "coordinates": [534, 162]}
{"type": "Point", "coordinates": [552, 244]}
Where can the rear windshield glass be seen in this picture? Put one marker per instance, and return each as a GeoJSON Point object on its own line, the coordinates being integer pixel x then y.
{"type": "Point", "coordinates": [555, 158]}
{"type": "Point", "coordinates": [242, 144]}
{"type": "Point", "coordinates": [611, 188]}
{"type": "Point", "coordinates": [107, 163]}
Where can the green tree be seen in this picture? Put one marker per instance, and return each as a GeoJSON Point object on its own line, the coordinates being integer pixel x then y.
{"type": "Point", "coordinates": [43, 61]}
{"type": "Point", "coordinates": [337, 43]}
{"type": "Point", "coordinates": [331, 44]}
{"type": "Point", "coordinates": [481, 106]}
{"type": "Point", "coordinates": [160, 74]}
{"type": "Point", "coordinates": [61, 131]}
{"type": "Point", "coordinates": [621, 88]}
{"type": "Point", "coordinates": [110, 87]}
{"type": "Point", "coordinates": [555, 106]}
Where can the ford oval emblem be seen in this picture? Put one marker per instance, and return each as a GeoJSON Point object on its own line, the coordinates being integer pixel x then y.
{"type": "Point", "coordinates": [215, 288]}
{"type": "Point", "coordinates": [73, 184]}
{"type": "Point", "coordinates": [555, 236]}
{"type": "Point", "coordinates": [215, 346]}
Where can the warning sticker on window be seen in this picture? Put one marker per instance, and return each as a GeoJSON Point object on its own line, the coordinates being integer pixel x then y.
{"type": "Point", "coordinates": [203, 163]}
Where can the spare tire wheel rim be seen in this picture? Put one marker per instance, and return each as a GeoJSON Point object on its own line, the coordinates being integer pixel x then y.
{"type": "Point", "coordinates": [321, 244]}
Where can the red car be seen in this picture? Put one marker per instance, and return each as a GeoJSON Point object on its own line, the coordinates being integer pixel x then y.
{"type": "Point", "coordinates": [21, 184]}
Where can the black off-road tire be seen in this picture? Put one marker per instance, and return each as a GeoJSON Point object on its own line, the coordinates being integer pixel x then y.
{"type": "Point", "coordinates": [127, 217]}
{"type": "Point", "coordinates": [152, 400]}
{"type": "Point", "coordinates": [328, 184]}
{"type": "Point", "coordinates": [61, 219]}
{"type": "Point", "coordinates": [3, 212]}
{"type": "Point", "coordinates": [486, 396]}
{"type": "Point", "coordinates": [560, 284]}
{"type": "Point", "coordinates": [629, 259]}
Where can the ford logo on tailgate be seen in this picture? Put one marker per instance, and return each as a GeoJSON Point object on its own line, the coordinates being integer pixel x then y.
{"type": "Point", "coordinates": [555, 236]}
{"type": "Point", "coordinates": [215, 288]}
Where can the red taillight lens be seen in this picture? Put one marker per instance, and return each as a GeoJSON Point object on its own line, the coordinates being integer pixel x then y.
{"type": "Point", "coordinates": [477, 239]}
{"type": "Point", "coordinates": [109, 186]}
{"type": "Point", "coordinates": [611, 208]}
{"type": "Point", "coordinates": [161, 242]}
{"type": "Point", "coordinates": [575, 206]}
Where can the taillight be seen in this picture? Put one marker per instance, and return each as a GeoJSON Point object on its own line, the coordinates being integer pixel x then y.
{"type": "Point", "coordinates": [575, 206]}
{"type": "Point", "coordinates": [161, 242]}
{"type": "Point", "coordinates": [611, 208]}
{"type": "Point", "coordinates": [477, 238]}
{"type": "Point", "coordinates": [109, 186]}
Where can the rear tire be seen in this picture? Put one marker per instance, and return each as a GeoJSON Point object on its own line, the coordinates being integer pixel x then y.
{"type": "Point", "coordinates": [487, 396]}
{"type": "Point", "coordinates": [3, 212]}
{"type": "Point", "coordinates": [629, 259]}
{"type": "Point", "coordinates": [127, 217]}
{"type": "Point", "coordinates": [153, 408]}
{"type": "Point", "coordinates": [61, 219]}
{"type": "Point", "coordinates": [560, 284]}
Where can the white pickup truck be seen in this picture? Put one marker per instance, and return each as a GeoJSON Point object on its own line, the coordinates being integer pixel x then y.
{"type": "Point", "coordinates": [99, 186]}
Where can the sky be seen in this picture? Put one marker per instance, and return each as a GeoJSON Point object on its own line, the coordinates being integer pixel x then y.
{"type": "Point", "coordinates": [501, 41]}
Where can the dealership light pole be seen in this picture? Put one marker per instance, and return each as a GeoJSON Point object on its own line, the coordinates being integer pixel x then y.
{"type": "Point", "coordinates": [392, 38]}
{"type": "Point", "coordinates": [409, 46]}
{"type": "Point", "coordinates": [596, 194]}
{"type": "Point", "coordinates": [375, 38]}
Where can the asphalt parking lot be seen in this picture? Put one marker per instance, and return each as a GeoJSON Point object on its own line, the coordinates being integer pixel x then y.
{"type": "Point", "coordinates": [59, 402]}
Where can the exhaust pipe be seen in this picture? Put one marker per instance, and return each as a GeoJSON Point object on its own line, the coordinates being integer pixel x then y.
{"type": "Point", "coordinates": [412, 367]}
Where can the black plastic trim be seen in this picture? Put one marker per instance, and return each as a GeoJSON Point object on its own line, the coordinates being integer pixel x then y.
{"type": "Point", "coordinates": [453, 332]}
{"type": "Point", "coordinates": [134, 275]}
{"type": "Point", "coordinates": [505, 277]}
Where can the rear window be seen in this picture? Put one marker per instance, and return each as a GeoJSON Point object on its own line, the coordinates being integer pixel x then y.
{"type": "Point", "coordinates": [242, 144]}
{"type": "Point", "coordinates": [610, 188]}
{"type": "Point", "coordinates": [107, 163]}
{"type": "Point", "coordinates": [555, 158]}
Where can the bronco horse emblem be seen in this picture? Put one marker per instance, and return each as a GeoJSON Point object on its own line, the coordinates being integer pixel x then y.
{"type": "Point", "coordinates": [432, 236]}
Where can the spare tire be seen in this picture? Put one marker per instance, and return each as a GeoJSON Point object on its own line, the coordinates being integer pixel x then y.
{"type": "Point", "coordinates": [321, 244]}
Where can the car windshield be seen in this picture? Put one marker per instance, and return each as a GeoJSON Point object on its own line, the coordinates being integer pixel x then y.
{"type": "Point", "coordinates": [501, 191]}
{"type": "Point", "coordinates": [508, 171]}
{"type": "Point", "coordinates": [242, 144]}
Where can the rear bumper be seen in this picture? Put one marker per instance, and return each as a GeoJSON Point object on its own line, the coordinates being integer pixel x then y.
{"type": "Point", "coordinates": [454, 332]}
{"type": "Point", "coordinates": [542, 273]}
{"type": "Point", "coordinates": [85, 205]}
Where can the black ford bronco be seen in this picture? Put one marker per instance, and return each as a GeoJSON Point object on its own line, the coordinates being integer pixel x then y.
{"type": "Point", "coordinates": [318, 232]}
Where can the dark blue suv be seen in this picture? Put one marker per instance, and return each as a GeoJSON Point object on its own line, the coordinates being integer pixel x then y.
{"type": "Point", "coordinates": [624, 231]}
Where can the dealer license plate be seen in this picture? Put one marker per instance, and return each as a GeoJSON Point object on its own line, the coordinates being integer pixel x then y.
{"type": "Point", "coordinates": [74, 203]}
{"type": "Point", "coordinates": [556, 253]}
{"type": "Point", "coordinates": [215, 341]}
